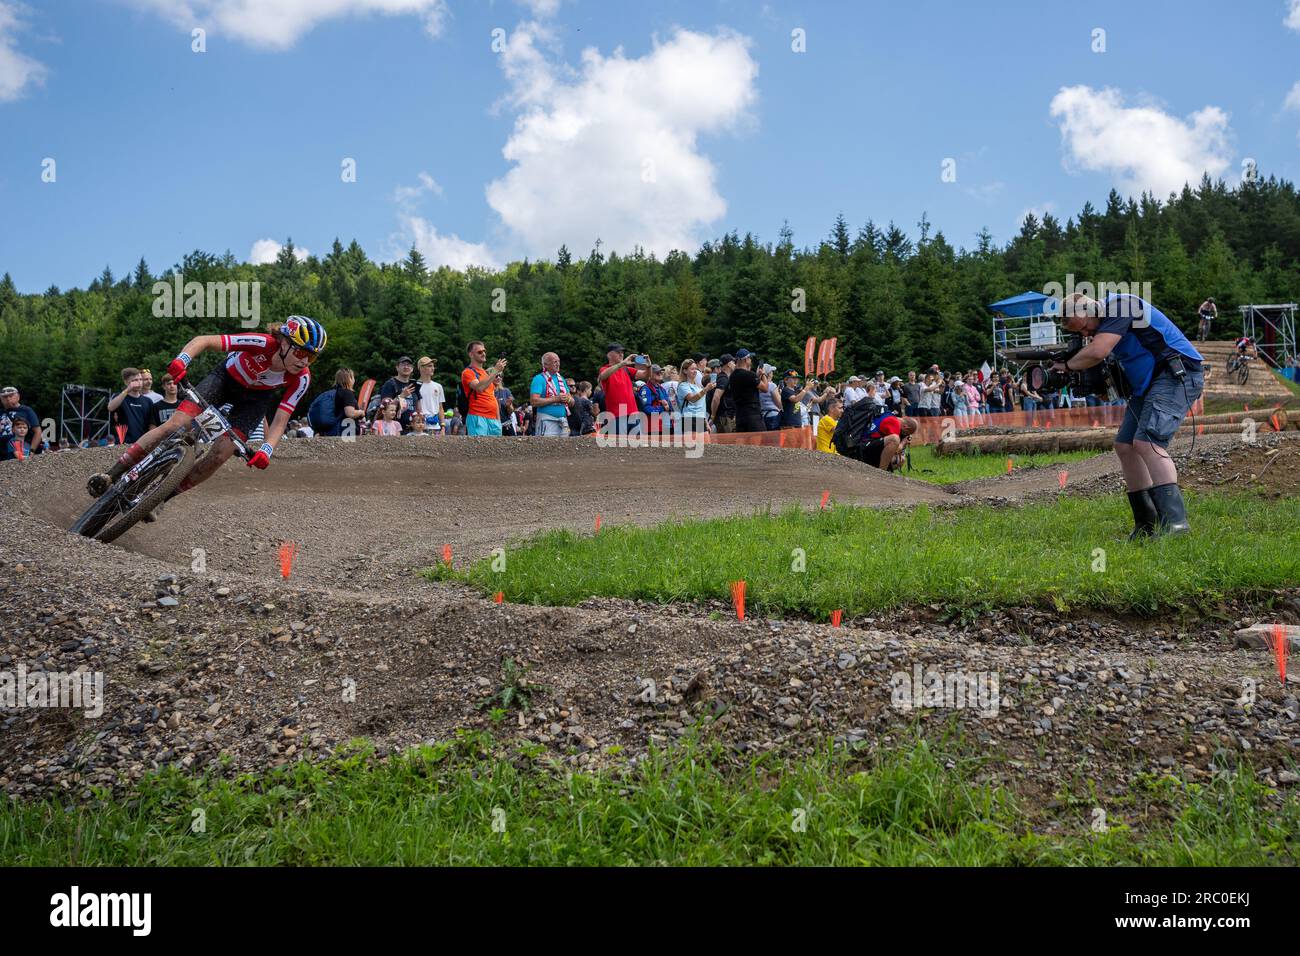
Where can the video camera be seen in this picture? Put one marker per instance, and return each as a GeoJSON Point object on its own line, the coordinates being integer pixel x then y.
{"type": "Point", "coordinates": [1106, 378]}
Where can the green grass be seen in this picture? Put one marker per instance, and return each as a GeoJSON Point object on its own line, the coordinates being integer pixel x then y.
{"type": "Point", "coordinates": [693, 806]}
{"type": "Point", "coordinates": [864, 560]}
{"type": "Point", "coordinates": [928, 466]}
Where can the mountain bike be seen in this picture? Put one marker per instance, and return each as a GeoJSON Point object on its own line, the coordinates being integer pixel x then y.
{"type": "Point", "coordinates": [1239, 368]}
{"type": "Point", "coordinates": [151, 482]}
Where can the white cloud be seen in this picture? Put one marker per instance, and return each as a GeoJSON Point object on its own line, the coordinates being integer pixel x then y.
{"type": "Point", "coordinates": [278, 24]}
{"type": "Point", "coordinates": [611, 150]}
{"type": "Point", "coordinates": [1144, 147]}
{"type": "Point", "coordinates": [442, 250]}
{"type": "Point", "coordinates": [1293, 97]}
{"type": "Point", "coordinates": [542, 8]}
{"type": "Point", "coordinates": [1038, 213]}
{"type": "Point", "coordinates": [986, 192]}
{"type": "Point", "coordinates": [437, 249]}
{"type": "Point", "coordinates": [266, 250]}
{"type": "Point", "coordinates": [1293, 15]}
{"type": "Point", "coordinates": [17, 70]}
{"type": "Point", "coordinates": [405, 196]}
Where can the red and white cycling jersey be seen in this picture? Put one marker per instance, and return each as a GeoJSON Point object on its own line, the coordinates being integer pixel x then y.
{"type": "Point", "coordinates": [249, 364]}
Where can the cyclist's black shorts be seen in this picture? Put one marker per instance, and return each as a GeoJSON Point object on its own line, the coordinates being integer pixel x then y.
{"type": "Point", "coordinates": [249, 406]}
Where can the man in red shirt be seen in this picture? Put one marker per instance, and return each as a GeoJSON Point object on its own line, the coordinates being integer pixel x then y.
{"type": "Point", "coordinates": [884, 445]}
{"type": "Point", "coordinates": [618, 378]}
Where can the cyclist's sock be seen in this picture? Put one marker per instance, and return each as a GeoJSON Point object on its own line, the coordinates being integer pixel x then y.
{"type": "Point", "coordinates": [129, 458]}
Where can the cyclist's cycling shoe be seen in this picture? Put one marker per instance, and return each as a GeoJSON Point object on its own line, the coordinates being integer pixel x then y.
{"type": "Point", "coordinates": [98, 484]}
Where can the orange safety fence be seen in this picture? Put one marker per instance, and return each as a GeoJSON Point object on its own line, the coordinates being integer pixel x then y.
{"type": "Point", "coordinates": [930, 430]}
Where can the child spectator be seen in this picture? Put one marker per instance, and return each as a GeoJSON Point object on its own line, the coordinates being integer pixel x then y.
{"type": "Point", "coordinates": [386, 422]}
{"type": "Point", "coordinates": [826, 425]}
{"type": "Point", "coordinates": [20, 442]}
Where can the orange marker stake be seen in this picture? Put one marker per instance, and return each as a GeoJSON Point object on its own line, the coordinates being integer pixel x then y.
{"type": "Point", "coordinates": [597, 522]}
{"type": "Point", "coordinates": [1009, 466]}
{"type": "Point", "coordinates": [288, 551]}
{"type": "Point", "coordinates": [121, 434]}
{"type": "Point", "coordinates": [738, 598]}
{"type": "Point", "coordinates": [1062, 476]}
{"type": "Point", "coordinates": [1200, 429]}
{"type": "Point", "coordinates": [499, 596]}
{"type": "Point", "coordinates": [1281, 647]}
{"type": "Point", "coordinates": [1276, 426]}
{"type": "Point", "coordinates": [446, 554]}
{"type": "Point", "coordinates": [836, 616]}
{"type": "Point", "coordinates": [826, 496]}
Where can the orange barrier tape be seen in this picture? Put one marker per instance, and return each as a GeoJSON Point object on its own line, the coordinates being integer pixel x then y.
{"type": "Point", "coordinates": [931, 430]}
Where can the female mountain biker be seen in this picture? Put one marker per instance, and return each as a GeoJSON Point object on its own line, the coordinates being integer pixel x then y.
{"type": "Point", "coordinates": [263, 373]}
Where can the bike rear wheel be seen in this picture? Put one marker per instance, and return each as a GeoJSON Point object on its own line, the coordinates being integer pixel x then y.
{"type": "Point", "coordinates": [124, 505]}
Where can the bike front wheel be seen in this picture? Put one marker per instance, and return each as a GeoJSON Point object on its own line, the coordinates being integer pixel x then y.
{"type": "Point", "coordinates": [124, 505]}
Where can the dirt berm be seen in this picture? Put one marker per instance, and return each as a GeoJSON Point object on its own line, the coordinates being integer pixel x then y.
{"type": "Point", "coordinates": [234, 660]}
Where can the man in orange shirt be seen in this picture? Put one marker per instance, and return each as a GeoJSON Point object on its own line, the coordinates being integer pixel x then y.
{"type": "Point", "coordinates": [480, 384]}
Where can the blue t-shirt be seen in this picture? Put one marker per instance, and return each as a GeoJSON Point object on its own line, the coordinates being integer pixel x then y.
{"type": "Point", "coordinates": [558, 386]}
{"type": "Point", "coordinates": [693, 409]}
{"type": "Point", "coordinates": [1147, 336]}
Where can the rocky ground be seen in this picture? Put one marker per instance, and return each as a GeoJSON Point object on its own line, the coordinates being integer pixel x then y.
{"type": "Point", "coordinates": [211, 654]}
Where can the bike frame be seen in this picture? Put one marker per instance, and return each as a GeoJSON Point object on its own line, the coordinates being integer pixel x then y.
{"type": "Point", "coordinates": [208, 425]}
{"type": "Point", "coordinates": [212, 424]}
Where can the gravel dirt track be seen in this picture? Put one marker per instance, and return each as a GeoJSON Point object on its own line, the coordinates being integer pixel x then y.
{"type": "Point", "coordinates": [235, 661]}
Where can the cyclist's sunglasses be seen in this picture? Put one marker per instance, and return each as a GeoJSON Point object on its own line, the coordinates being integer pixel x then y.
{"type": "Point", "coordinates": [304, 355]}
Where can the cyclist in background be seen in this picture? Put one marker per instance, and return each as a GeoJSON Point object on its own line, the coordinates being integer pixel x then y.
{"type": "Point", "coordinates": [1208, 312]}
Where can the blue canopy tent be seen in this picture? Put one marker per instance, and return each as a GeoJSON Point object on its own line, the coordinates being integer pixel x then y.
{"type": "Point", "coordinates": [1026, 305]}
{"type": "Point", "coordinates": [1025, 320]}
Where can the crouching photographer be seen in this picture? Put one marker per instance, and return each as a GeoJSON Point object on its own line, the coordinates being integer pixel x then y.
{"type": "Point", "coordinates": [1165, 379]}
{"type": "Point", "coordinates": [875, 438]}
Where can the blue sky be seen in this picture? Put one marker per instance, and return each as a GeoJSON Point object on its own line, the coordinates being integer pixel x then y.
{"type": "Point", "coordinates": [707, 120]}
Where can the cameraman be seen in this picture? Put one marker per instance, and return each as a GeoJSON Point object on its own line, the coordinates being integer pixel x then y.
{"type": "Point", "coordinates": [1165, 376]}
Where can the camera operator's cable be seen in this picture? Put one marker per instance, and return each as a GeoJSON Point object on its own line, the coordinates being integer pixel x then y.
{"type": "Point", "coordinates": [1192, 448]}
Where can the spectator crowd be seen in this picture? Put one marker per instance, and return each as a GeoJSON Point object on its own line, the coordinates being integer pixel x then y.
{"type": "Point", "coordinates": [725, 394]}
